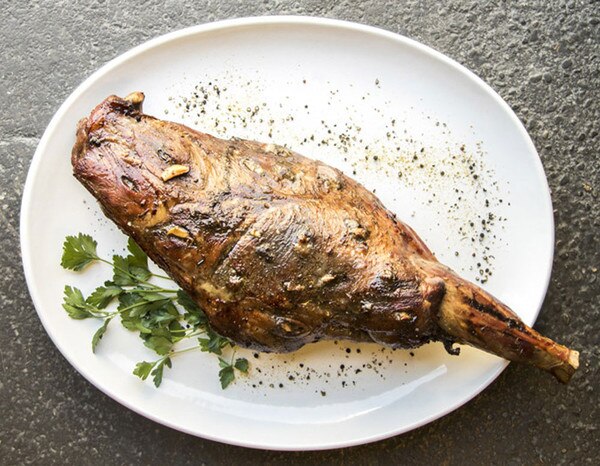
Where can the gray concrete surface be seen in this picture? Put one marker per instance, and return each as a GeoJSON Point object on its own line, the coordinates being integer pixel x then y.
{"type": "Point", "coordinates": [542, 57]}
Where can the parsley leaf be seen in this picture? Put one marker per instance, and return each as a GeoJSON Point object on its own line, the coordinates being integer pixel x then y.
{"type": "Point", "coordinates": [75, 304]}
{"type": "Point", "coordinates": [99, 334]}
{"type": "Point", "coordinates": [152, 315]}
{"type": "Point", "coordinates": [213, 343]}
{"type": "Point", "coordinates": [133, 269]}
{"type": "Point", "coordinates": [241, 364]}
{"type": "Point", "coordinates": [164, 316]}
{"type": "Point", "coordinates": [103, 295]}
{"type": "Point", "coordinates": [133, 305]}
{"type": "Point", "coordinates": [128, 271]}
{"type": "Point", "coordinates": [157, 373]}
{"type": "Point", "coordinates": [226, 376]}
{"type": "Point", "coordinates": [193, 315]}
{"type": "Point", "coordinates": [142, 369]}
{"type": "Point", "coordinates": [177, 331]}
{"type": "Point", "coordinates": [227, 372]}
{"type": "Point", "coordinates": [138, 257]}
{"type": "Point", "coordinates": [78, 251]}
{"type": "Point", "coordinates": [159, 344]}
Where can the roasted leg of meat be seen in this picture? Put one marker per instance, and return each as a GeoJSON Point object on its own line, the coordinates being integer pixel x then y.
{"type": "Point", "coordinates": [280, 250]}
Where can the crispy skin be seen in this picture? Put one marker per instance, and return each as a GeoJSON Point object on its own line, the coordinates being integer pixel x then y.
{"type": "Point", "coordinates": [281, 250]}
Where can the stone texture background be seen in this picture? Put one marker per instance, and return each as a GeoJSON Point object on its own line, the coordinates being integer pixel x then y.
{"type": "Point", "coordinates": [543, 59]}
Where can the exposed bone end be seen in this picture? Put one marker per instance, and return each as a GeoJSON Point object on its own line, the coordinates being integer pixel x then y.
{"type": "Point", "coordinates": [565, 371]}
{"type": "Point", "coordinates": [470, 315]}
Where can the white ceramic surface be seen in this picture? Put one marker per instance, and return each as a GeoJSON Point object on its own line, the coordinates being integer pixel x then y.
{"type": "Point", "coordinates": [268, 60]}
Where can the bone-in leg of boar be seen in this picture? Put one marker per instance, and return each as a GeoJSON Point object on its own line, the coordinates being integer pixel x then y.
{"type": "Point", "coordinates": [281, 250]}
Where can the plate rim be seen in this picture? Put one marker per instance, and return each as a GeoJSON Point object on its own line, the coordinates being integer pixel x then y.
{"type": "Point", "coordinates": [254, 21]}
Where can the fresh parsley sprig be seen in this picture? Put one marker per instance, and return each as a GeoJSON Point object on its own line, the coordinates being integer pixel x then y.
{"type": "Point", "coordinates": [143, 307]}
{"type": "Point", "coordinates": [227, 372]}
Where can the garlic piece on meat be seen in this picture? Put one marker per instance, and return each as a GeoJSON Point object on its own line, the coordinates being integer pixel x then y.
{"type": "Point", "coordinates": [173, 171]}
{"type": "Point", "coordinates": [178, 231]}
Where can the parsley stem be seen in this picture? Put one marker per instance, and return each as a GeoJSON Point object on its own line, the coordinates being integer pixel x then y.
{"type": "Point", "coordinates": [107, 262]}
{"type": "Point", "coordinates": [152, 289]}
{"type": "Point", "coordinates": [185, 350]}
{"type": "Point", "coordinates": [192, 334]}
{"type": "Point", "coordinates": [119, 311]}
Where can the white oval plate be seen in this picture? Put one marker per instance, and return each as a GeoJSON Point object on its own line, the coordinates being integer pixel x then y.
{"type": "Point", "coordinates": [322, 73]}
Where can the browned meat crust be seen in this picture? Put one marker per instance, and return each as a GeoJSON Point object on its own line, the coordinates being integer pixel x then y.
{"type": "Point", "coordinates": [281, 250]}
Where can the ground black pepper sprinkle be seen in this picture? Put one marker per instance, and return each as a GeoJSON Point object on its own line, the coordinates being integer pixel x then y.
{"type": "Point", "coordinates": [433, 163]}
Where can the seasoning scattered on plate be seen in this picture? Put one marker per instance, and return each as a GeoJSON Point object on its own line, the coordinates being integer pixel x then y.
{"type": "Point", "coordinates": [367, 138]}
